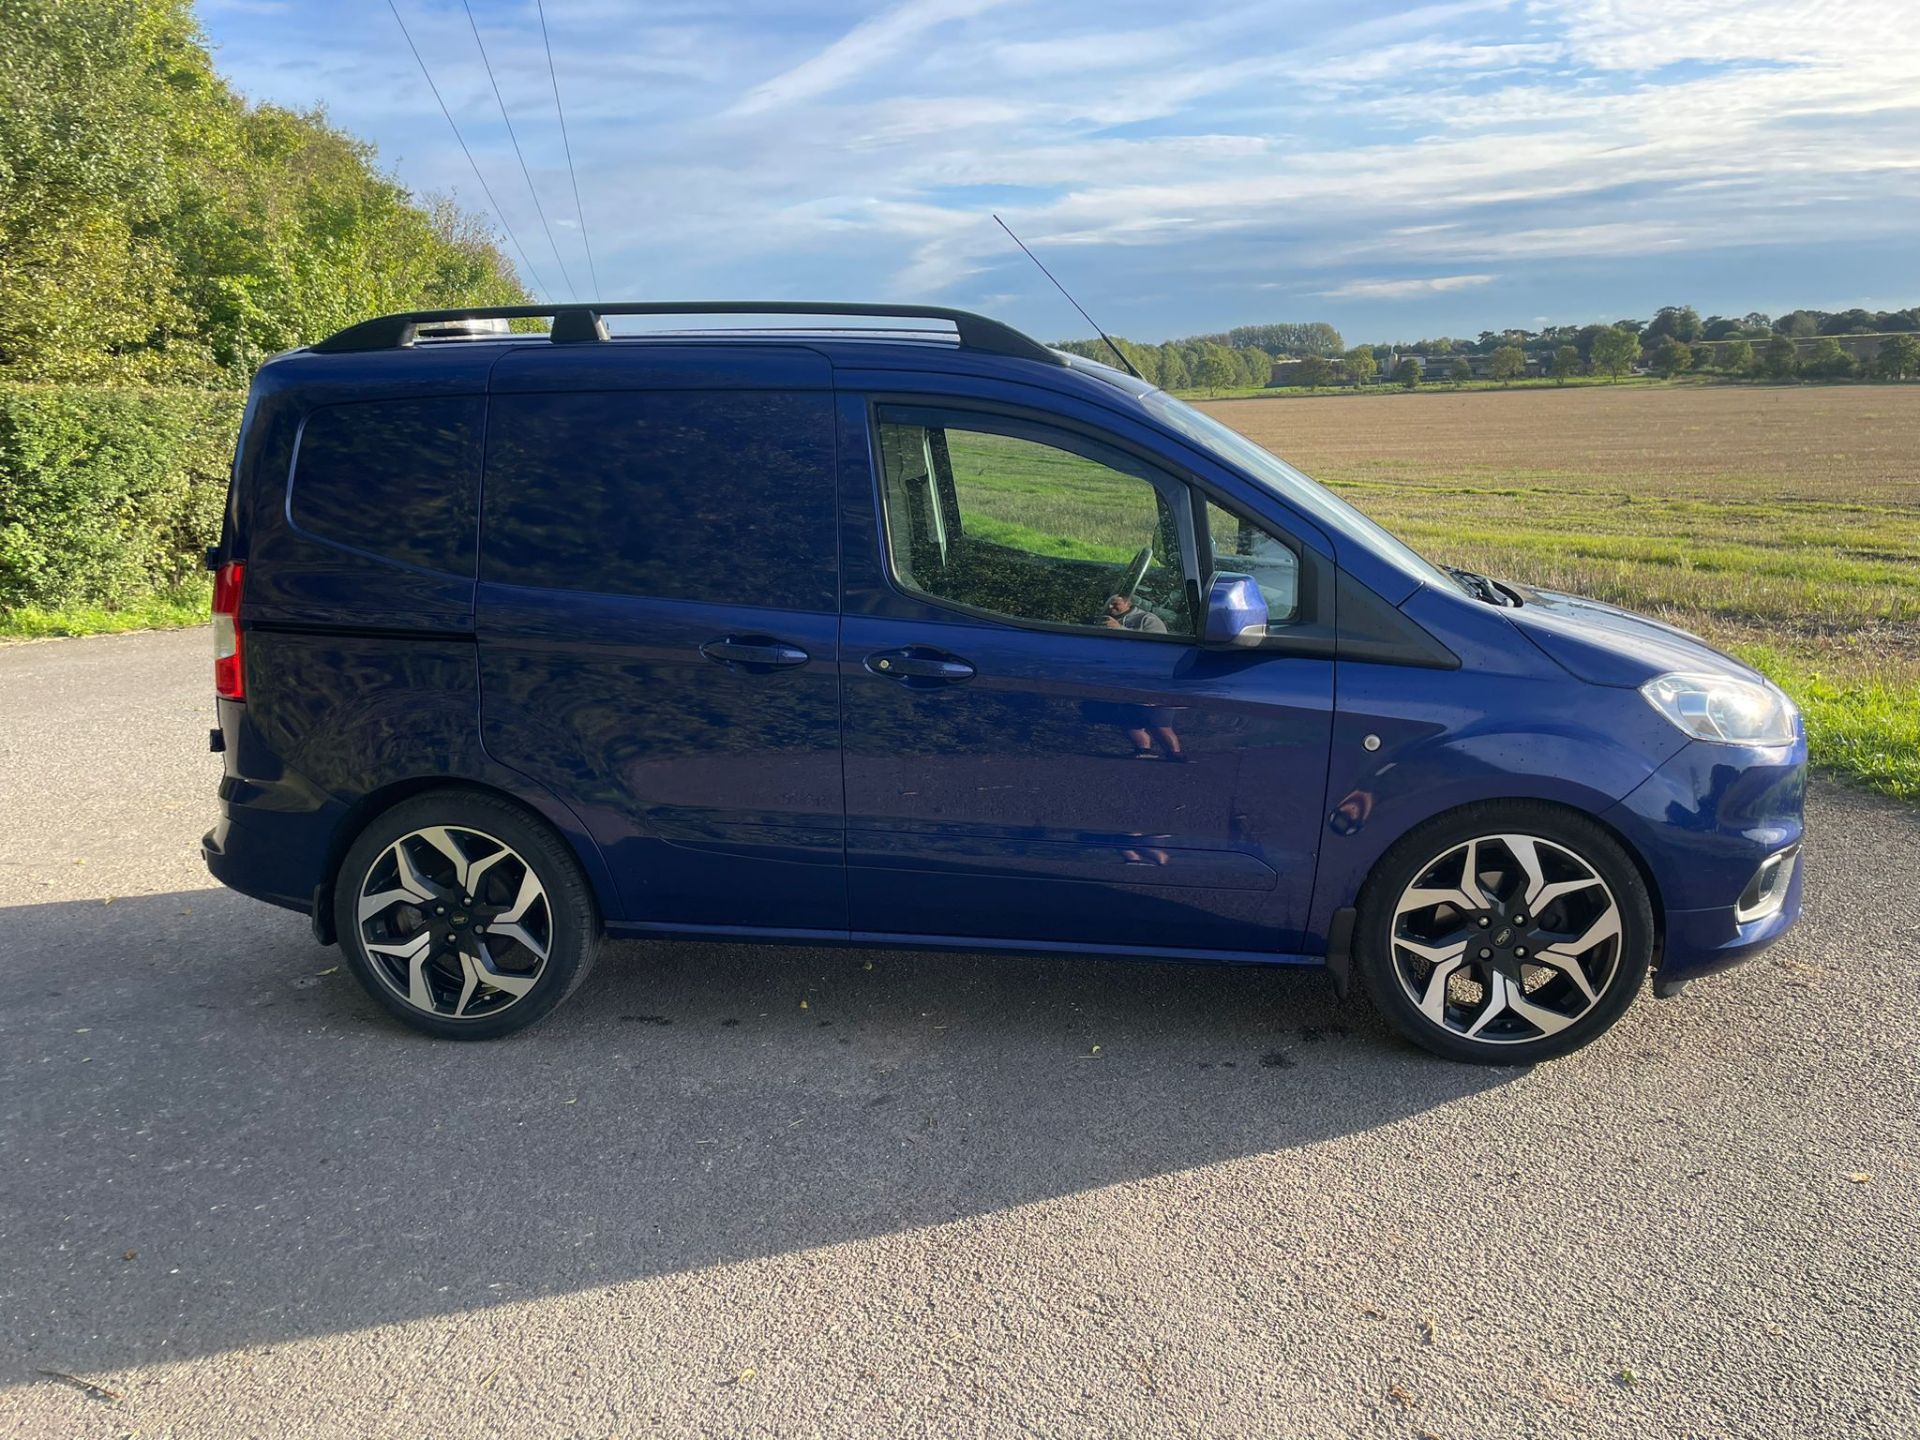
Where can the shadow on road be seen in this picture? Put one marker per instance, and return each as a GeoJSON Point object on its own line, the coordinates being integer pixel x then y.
{"type": "Point", "coordinates": [190, 1082]}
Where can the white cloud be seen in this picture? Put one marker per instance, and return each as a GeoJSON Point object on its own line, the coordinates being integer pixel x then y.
{"type": "Point", "coordinates": [1400, 289]}
{"type": "Point", "coordinates": [861, 49]}
{"type": "Point", "coordinates": [1645, 35]}
{"type": "Point", "coordinates": [1258, 142]}
{"type": "Point", "coordinates": [1426, 57]}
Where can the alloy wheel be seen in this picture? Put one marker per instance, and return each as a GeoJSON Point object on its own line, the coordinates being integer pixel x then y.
{"type": "Point", "coordinates": [455, 922]}
{"type": "Point", "coordinates": [1506, 939]}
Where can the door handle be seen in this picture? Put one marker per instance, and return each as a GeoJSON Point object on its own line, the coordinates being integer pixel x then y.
{"type": "Point", "coordinates": [755, 650]}
{"type": "Point", "coordinates": [919, 663]}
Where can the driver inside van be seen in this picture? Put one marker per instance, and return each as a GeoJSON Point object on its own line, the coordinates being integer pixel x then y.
{"type": "Point", "coordinates": [1123, 614]}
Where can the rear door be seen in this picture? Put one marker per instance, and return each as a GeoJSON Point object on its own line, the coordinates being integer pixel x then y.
{"type": "Point", "coordinates": [657, 615]}
{"type": "Point", "coordinates": [1037, 747]}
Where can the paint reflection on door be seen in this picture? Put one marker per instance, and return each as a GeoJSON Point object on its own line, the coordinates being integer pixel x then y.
{"type": "Point", "coordinates": [1085, 785]}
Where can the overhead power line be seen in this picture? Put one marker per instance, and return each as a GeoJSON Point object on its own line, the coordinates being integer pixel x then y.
{"type": "Point", "coordinates": [527, 174]}
{"type": "Point", "coordinates": [485, 189]}
{"type": "Point", "coordinates": [580, 210]}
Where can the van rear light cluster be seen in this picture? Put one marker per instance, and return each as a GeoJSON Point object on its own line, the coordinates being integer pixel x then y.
{"type": "Point", "coordinates": [229, 669]}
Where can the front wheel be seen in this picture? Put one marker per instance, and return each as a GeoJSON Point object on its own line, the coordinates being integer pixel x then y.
{"type": "Point", "coordinates": [1504, 934]}
{"type": "Point", "coordinates": [464, 916]}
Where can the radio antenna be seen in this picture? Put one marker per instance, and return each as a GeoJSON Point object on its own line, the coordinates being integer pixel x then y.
{"type": "Point", "coordinates": [1118, 353]}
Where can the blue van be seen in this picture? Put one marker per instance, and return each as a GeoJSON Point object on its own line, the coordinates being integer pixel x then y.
{"type": "Point", "coordinates": [899, 628]}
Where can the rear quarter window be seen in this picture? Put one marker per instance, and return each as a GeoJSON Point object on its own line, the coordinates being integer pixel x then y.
{"type": "Point", "coordinates": [394, 479]}
{"type": "Point", "coordinates": [725, 497]}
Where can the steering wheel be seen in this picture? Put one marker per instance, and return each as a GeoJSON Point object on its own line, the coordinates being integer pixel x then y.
{"type": "Point", "coordinates": [1136, 572]}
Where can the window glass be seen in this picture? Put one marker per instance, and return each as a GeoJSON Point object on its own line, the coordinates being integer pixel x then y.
{"type": "Point", "coordinates": [392, 477]}
{"type": "Point", "coordinates": [725, 497]}
{"type": "Point", "coordinates": [1313, 499]}
{"type": "Point", "coordinates": [1246, 547]}
{"type": "Point", "coordinates": [1003, 521]}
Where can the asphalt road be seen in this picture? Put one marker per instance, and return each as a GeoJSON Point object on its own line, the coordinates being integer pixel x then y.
{"type": "Point", "coordinates": [745, 1192]}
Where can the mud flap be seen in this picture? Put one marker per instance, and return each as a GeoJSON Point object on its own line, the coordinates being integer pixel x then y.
{"type": "Point", "coordinates": [321, 915]}
{"type": "Point", "coordinates": [1340, 951]}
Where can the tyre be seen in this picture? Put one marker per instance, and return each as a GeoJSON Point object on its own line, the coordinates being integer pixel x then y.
{"type": "Point", "coordinates": [1504, 934]}
{"type": "Point", "coordinates": [465, 916]}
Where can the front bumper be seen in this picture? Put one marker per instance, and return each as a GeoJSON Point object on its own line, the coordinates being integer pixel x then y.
{"type": "Point", "coordinates": [1698, 942]}
{"type": "Point", "coordinates": [1705, 823]}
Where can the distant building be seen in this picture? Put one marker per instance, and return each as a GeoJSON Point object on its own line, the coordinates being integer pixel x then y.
{"type": "Point", "coordinates": [1286, 369]}
{"type": "Point", "coordinates": [1858, 347]}
{"type": "Point", "coordinates": [1437, 368]}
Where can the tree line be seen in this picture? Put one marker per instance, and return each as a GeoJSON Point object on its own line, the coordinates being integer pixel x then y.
{"type": "Point", "coordinates": [1676, 340]}
{"type": "Point", "coordinates": [1677, 322]}
{"type": "Point", "coordinates": [1617, 350]}
{"type": "Point", "coordinates": [157, 228]}
{"type": "Point", "coordinates": [1198, 364]}
{"type": "Point", "coordinates": [159, 237]}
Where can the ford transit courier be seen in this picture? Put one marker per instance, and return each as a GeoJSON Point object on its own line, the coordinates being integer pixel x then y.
{"type": "Point", "coordinates": [930, 636]}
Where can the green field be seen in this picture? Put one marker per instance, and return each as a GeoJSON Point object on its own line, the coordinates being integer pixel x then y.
{"type": "Point", "coordinates": [1047, 501]}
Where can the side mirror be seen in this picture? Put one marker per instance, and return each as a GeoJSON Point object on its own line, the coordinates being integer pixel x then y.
{"type": "Point", "coordinates": [1236, 611]}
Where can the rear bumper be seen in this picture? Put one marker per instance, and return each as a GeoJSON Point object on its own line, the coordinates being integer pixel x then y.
{"type": "Point", "coordinates": [233, 854]}
{"type": "Point", "coordinates": [272, 835]}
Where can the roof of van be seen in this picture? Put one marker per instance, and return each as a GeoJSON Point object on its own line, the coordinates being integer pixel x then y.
{"type": "Point", "coordinates": [577, 324]}
{"type": "Point", "coordinates": [864, 334]}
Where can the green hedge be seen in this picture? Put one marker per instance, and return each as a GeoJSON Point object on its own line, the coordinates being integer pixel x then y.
{"type": "Point", "coordinates": [108, 496]}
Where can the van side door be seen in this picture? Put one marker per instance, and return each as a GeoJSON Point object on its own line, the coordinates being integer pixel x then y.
{"type": "Point", "coordinates": [1038, 747]}
{"type": "Point", "coordinates": [657, 618]}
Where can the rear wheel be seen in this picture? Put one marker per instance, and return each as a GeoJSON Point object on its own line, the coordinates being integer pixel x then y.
{"type": "Point", "coordinates": [464, 916]}
{"type": "Point", "coordinates": [1505, 934]}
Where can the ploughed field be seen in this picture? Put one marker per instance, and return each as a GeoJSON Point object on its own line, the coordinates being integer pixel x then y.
{"type": "Point", "coordinates": [1782, 522]}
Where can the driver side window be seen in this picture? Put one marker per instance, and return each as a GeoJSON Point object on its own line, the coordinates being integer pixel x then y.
{"type": "Point", "coordinates": [1025, 523]}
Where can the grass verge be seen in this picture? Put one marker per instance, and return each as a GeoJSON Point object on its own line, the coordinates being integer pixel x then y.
{"type": "Point", "coordinates": [170, 610]}
{"type": "Point", "coordinates": [1867, 729]}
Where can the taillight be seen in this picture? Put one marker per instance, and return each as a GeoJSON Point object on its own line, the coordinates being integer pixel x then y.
{"type": "Point", "coordinates": [229, 673]}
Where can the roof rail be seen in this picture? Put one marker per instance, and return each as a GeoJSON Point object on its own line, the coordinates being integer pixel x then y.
{"type": "Point", "coordinates": [583, 324]}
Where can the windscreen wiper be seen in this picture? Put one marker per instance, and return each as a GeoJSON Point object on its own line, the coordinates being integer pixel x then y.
{"type": "Point", "coordinates": [1481, 588]}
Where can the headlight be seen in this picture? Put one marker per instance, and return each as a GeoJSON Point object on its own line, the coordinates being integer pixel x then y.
{"type": "Point", "coordinates": [1719, 707]}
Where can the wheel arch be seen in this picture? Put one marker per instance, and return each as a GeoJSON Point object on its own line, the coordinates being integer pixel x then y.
{"type": "Point", "coordinates": [368, 808]}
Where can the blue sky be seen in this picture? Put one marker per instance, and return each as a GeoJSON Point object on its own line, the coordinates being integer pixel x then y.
{"type": "Point", "coordinates": [1397, 169]}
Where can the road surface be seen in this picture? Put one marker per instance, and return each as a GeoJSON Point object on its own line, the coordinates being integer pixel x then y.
{"type": "Point", "coordinates": [753, 1192]}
